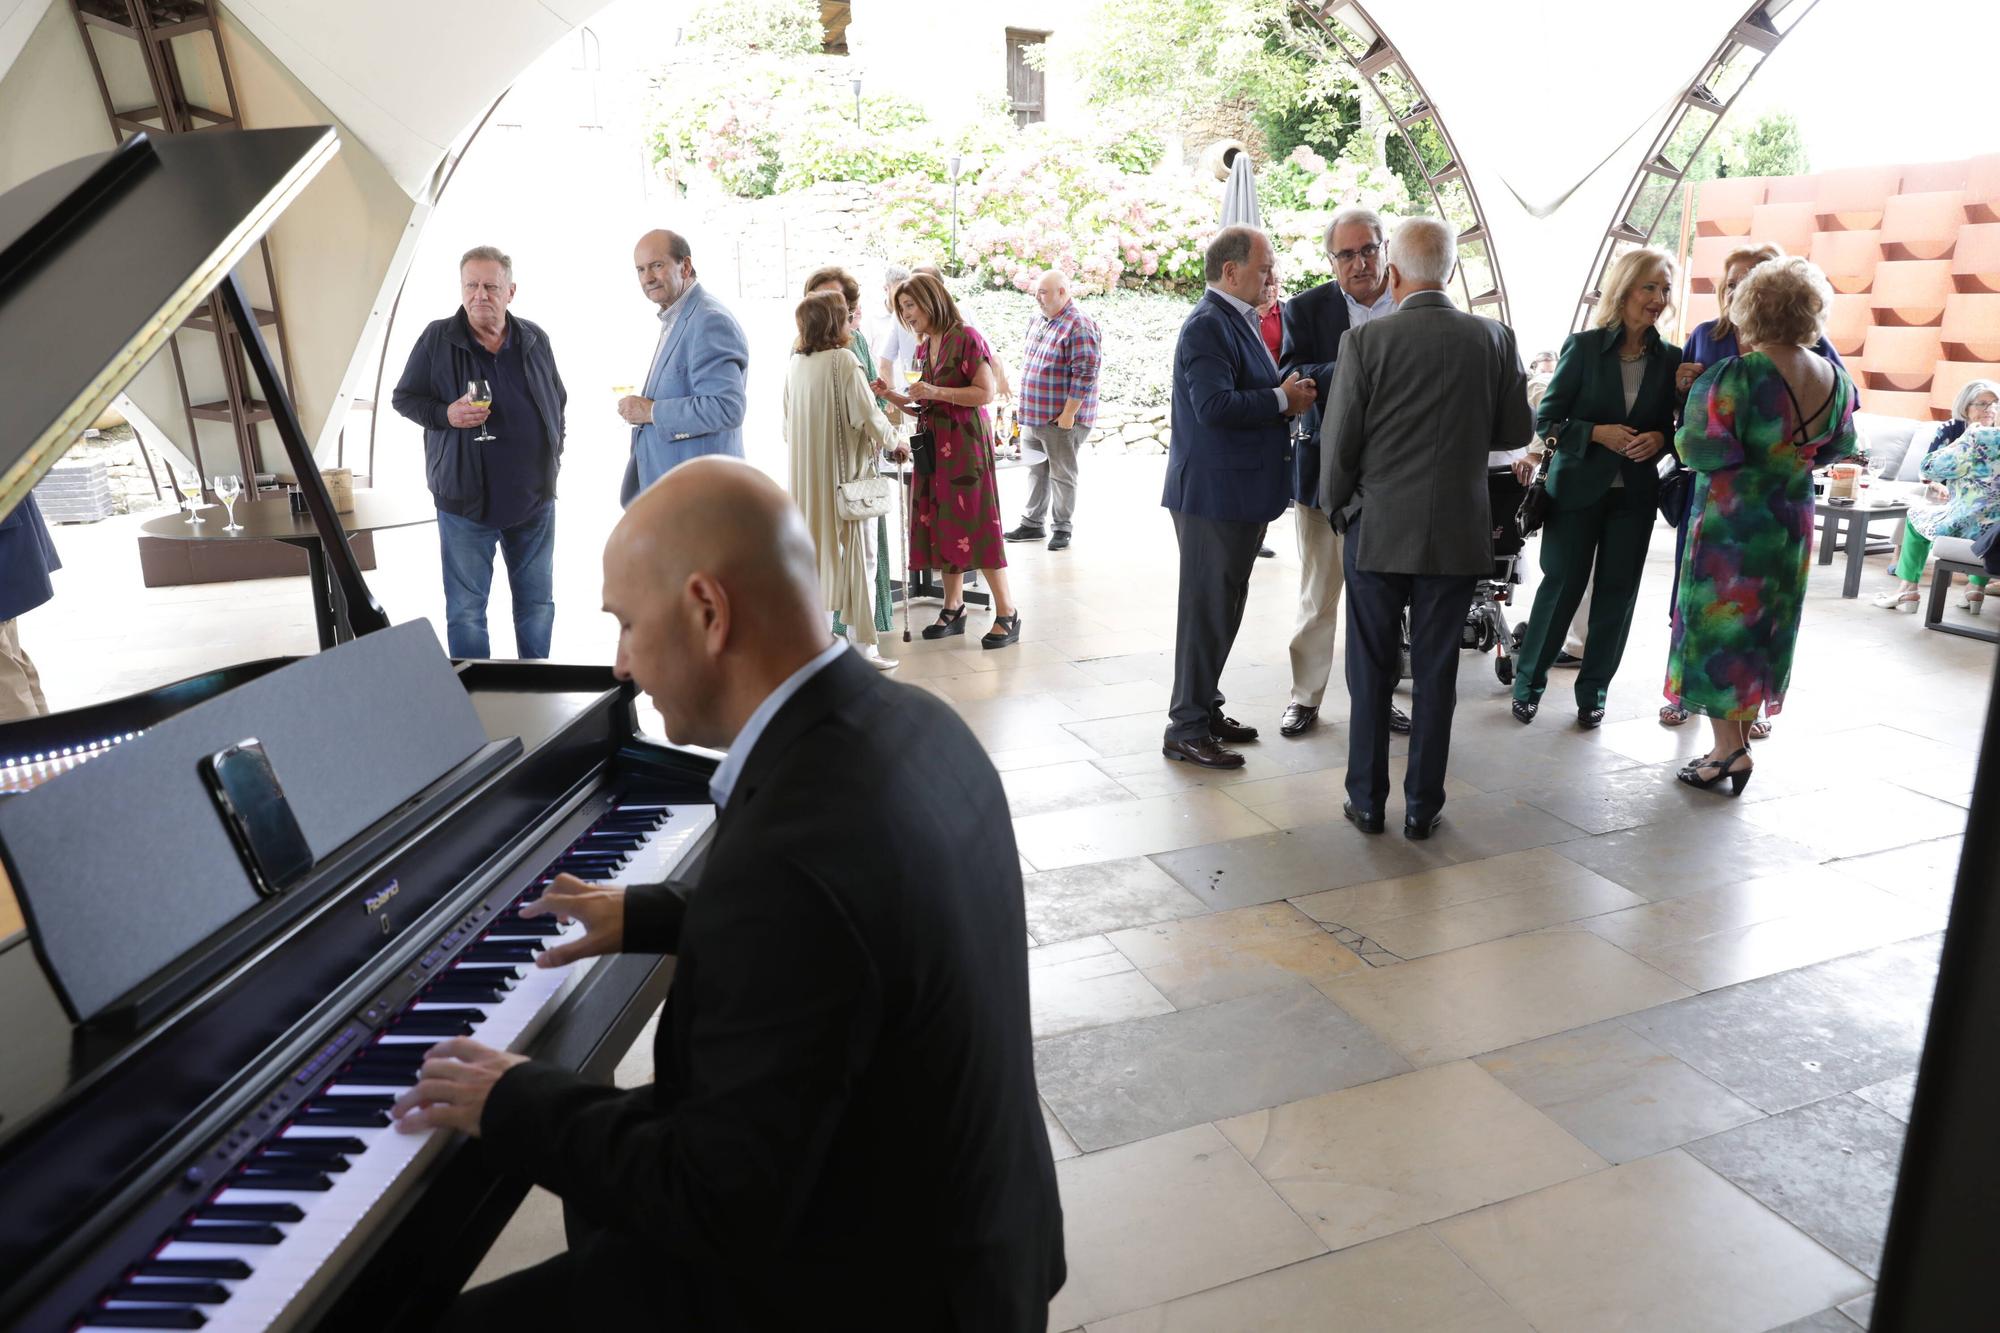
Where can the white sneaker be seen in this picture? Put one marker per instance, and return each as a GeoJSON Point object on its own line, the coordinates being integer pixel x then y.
{"type": "Point", "coordinates": [873, 656]}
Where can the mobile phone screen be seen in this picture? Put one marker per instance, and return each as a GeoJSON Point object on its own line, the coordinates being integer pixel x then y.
{"type": "Point", "coordinates": [258, 814]}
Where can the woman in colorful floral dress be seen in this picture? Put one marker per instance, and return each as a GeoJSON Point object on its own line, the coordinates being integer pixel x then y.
{"type": "Point", "coordinates": [955, 512]}
{"type": "Point", "coordinates": [1755, 427]}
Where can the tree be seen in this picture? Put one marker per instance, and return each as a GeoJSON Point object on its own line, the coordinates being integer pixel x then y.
{"type": "Point", "coordinates": [1771, 145]}
{"type": "Point", "coordinates": [780, 27]}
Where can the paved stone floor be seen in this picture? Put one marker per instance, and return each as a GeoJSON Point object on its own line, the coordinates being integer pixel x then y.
{"type": "Point", "coordinates": [1607, 1053]}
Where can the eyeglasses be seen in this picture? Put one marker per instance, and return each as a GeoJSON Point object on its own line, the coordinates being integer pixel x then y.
{"type": "Point", "coordinates": [1349, 256]}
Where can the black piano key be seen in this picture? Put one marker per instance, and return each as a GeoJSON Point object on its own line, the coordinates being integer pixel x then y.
{"type": "Point", "coordinates": [234, 1270]}
{"type": "Point", "coordinates": [350, 1101]}
{"type": "Point", "coordinates": [483, 969]}
{"type": "Point", "coordinates": [519, 925]}
{"type": "Point", "coordinates": [385, 1076]}
{"type": "Point", "coordinates": [330, 1146]}
{"type": "Point", "coordinates": [250, 1212]}
{"type": "Point", "coordinates": [498, 953]}
{"type": "Point", "coordinates": [423, 1025]}
{"type": "Point", "coordinates": [284, 1178]}
{"type": "Point", "coordinates": [343, 1119]}
{"type": "Point", "coordinates": [228, 1233]}
{"type": "Point", "coordinates": [160, 1316]}
{"type": "Point", "coordinates": [181, 1293]}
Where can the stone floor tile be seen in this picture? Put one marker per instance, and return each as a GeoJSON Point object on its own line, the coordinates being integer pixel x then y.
{"type": "Point", "coordinates": [1923, 872]}
{"type": "Point", "coordinates": [1627, 798]}
{"type": "Point", "coordinates": [1861, 1309]}
{"type": "Point", "coordinates": [1618, 1093]}
{"type": "Point", "coordinates": [1693, 854]}
{"type": "Point", "coordinates": [1061, 1145]}
{"type": "Point", "coordinates": [1660, 1245]}
{"type": "Point", "coordinates": [1644, 740]}
{"type": "Point", "coordinates": [1799, 1037]}
{"type": "Point", "coordinates": [1785, 942]}
{"type": "Point", "coordinates": [1829, 1169]}
{"type": "Point", "coordinates": [1434, 890]}
{"type": "Point", "coordinates": [1118, 668]}
{"type": "Point", "coordinates": [1423, 933]}
{"type": "Point", "coordinates": [1102, 896]}
{"type": "Point", "coordinates": [1165, 1218]}
{"type": "Point", "coordinates": [1132, 828]}
{"type": "Point", "coordinates": [1489, 996]}
{"type": "Point", "coordinates": [1072, 786]}
{"type": "Point", "coordinates": [1134, 733]}
{"type": "Point", "coordinates": [1228, 955]}
{"type": "Point", "coordinates": [1883, 816]}
{"type": "Point", "coordinates": [1400, 1284]}
{"type": "Point", "coordinates": [1893, 1095]}
{"type": "Point", "coordinates": [1040, 755]}
{"type": "Point", "coordinates": [1371, 1161]}
{"type": "Point", "coordinates": [1315, 797]}
{"type": "Point", "coordinates": [1292, 862]}
{"type": "Point", "coordinates": [1530, 757]}
{"type": "Point", "coordinates": [1065, 951]}
{"type": "Point", "coordinates": [1819, 891]}
{"type": "Point", "coordinates": [1095, 701]}
{"type": "Point", "coordinates": [1088, 992]}
{"type": "Point", "coordinates": [1130, 1080]}
{"type": "Point", "coordinates": [1826, 1321]}
{"type": "Point", "coordinates": [1489, 824]}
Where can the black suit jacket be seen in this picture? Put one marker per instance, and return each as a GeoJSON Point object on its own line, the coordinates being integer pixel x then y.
{"type": "Point", "coordinates": [844, 1131]}
{"type": "Point", "coordinates": [1315, 321]}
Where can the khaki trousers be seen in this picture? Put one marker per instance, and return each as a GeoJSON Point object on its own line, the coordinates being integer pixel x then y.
{"type": "Point", "coordinates": [1320, 581]}
{"type": "Point", "coordinates": [20, 685]}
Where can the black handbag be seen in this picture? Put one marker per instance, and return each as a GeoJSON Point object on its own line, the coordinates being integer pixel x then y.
{"type": "Point", "coordinates": [1676, 490]}
{"type": "Point", "coordinates": [923, 453]}
{"type": "Point", "coordinates": [1534, 509]}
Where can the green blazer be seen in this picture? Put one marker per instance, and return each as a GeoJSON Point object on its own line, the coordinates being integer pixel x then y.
{"type": "Point", "coordinates": [1588, 391]}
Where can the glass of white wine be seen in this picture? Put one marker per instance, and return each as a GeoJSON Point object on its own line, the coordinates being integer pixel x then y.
{"type": "Point", "coordinates": [480, 394]}
{"type": "Point", "coordinates": [226, 490]}
{"type": "Point", "coordinates": [190, 486]}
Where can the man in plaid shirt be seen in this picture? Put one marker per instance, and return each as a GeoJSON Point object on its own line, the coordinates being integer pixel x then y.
{"type": "Point", "coordinates": [1057, 403]}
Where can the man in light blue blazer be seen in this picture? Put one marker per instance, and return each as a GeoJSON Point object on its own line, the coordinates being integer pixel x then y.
{"type": "Point", "coordinates": [693, 399]}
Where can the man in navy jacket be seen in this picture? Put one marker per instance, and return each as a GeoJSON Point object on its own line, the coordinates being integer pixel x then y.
{"type": "Point", "coordinates": [1226, 480]}
{"type": "Point", "coordinates": [491, 468]}
{"type": "Point", "coordinates": [27, 558]}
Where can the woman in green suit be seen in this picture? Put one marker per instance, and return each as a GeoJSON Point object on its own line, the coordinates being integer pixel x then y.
{"type": "Point", "coordinates": [1608, 412]}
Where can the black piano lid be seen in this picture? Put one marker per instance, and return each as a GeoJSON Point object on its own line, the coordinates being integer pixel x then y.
{"type": "Point", "coordinates": [101, 259]}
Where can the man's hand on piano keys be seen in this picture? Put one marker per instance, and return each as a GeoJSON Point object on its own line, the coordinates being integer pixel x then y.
{"type": "Point", "coordinates": [452, 1086]}
{"type": "Point", "coordinates": [601, 909]}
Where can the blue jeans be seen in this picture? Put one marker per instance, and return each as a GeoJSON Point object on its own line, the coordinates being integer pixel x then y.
{"type": "Point", "coordinates": [529, 547]}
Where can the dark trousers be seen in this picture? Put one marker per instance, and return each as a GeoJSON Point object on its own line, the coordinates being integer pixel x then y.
{"type": "Point", "coordinates": [602, 1282]}
{"type": "Point", "coordinates": [1605, 540]}
{"type": "Point", "coordinates": [1375, 602]}
{"type": "Point", "coordinates": [1217, 556]}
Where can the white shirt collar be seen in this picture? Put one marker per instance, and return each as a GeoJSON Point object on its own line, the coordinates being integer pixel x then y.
{"type": "Point", "coordinates": [668, 317]}
{"type": "Point", "coordinates": [731, 767]}
{"type": "Point", "coordinates": [1359, 314]}
{"type": "Point", "coordinates": [1240, 307]}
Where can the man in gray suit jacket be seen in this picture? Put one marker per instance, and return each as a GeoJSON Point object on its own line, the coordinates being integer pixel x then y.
{"type": "Point", "coordinates": [1419, 399]}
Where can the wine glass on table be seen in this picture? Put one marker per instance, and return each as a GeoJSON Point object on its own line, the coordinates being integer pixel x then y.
{"type": "Point", "coordinates": [226, 490]}
{"type": "Point", "coordinates": [479, 393]}
{"type": "Point", "coordinates": [190, 487]}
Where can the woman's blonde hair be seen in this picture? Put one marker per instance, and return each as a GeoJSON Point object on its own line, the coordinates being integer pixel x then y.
{"type": "Point", "coordinates": [822, 322]}
{"type": "Point", "coordinates": [1632, 268]}
{"type": "Point", "coordinates": [931, 297]}
{"type": "Point", "coordinates": [1781, 303]}
{"type": "Point", "coordinates": [1751, 255]}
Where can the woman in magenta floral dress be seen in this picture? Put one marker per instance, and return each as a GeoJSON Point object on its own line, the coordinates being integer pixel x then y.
{"type": "Point", "coordinates": [955, 512]}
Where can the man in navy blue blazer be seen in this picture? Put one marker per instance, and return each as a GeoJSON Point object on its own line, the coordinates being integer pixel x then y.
{"type": "Point", "coordinates": [1226, 480]}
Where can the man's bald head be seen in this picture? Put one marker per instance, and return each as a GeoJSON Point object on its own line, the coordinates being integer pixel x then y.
{"type": "Point", "coordinates": [1052, 292]}
{"type": "Point", "coordinates": [665, 266]}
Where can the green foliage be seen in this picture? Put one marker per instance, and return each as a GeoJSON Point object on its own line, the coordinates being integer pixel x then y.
{"type": "Point", "coordinates": [1771, 145]}
{"type": "Point", "coordinates": [777, 27]}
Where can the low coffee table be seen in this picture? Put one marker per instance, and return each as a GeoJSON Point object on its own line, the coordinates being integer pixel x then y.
{"type": "Point", "coordinates": [1845, 527]}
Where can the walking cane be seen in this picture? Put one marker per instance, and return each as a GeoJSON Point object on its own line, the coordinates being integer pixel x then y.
{"type": "Point", "coordinates": [903, 540]}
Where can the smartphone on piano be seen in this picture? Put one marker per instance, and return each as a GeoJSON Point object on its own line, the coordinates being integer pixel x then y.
{"type": "Point", "coordinates": [260, 819]}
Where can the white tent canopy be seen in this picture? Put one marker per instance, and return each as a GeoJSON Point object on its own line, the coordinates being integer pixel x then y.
{"type": "Point", "coordinates": [1551, 110]}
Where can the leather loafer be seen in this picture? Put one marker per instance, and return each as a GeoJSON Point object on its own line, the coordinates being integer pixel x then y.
{"type": "Point", "coordinates": [1204, 752]}
{"type": "Point", "coordinates": [1366, 823]}
{"type": "Point", "coordinates": [1416, 830]}
{"type": "Point", "coordinates": [1590, 719]}
{"type": "Point", "coordinates": [1229, 729]}
{"type": "Point", "coordinates": [1298, 719]}
{"type": "Point", "coordinates": [1399, 721]}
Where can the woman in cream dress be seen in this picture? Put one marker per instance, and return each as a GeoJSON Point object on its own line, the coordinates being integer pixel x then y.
{"type": "Point", "coordinates": [835, 431]}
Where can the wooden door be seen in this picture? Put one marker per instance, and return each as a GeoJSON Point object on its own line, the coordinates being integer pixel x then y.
{"type": "Point", "coordinates": [1024, 81]}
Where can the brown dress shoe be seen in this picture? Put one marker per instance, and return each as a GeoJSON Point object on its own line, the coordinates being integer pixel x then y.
{"type": "Point", "coordinates": [1204, 752]}
{"type": "Point", "coordinates": [1298, 719]}
{"type": "Point", "coordinates": [1229, 729]}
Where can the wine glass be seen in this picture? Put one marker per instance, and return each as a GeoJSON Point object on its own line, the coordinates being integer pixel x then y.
{"type": "Point", "coordinates": [480, 394]}
{"type": "Point", "coordinates": [226, 490]}
{"type": "Point", "coordinates": [190, 487]}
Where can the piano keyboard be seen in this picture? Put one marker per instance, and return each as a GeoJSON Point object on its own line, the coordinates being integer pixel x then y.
{"type": "Point", "coordinates": [256, 1253]}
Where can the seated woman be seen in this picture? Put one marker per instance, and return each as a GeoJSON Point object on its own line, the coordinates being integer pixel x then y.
{"type": "Point", "coordinates": [1964, 508]}
{"type": "Point", "coordinates": [1756, 425]}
